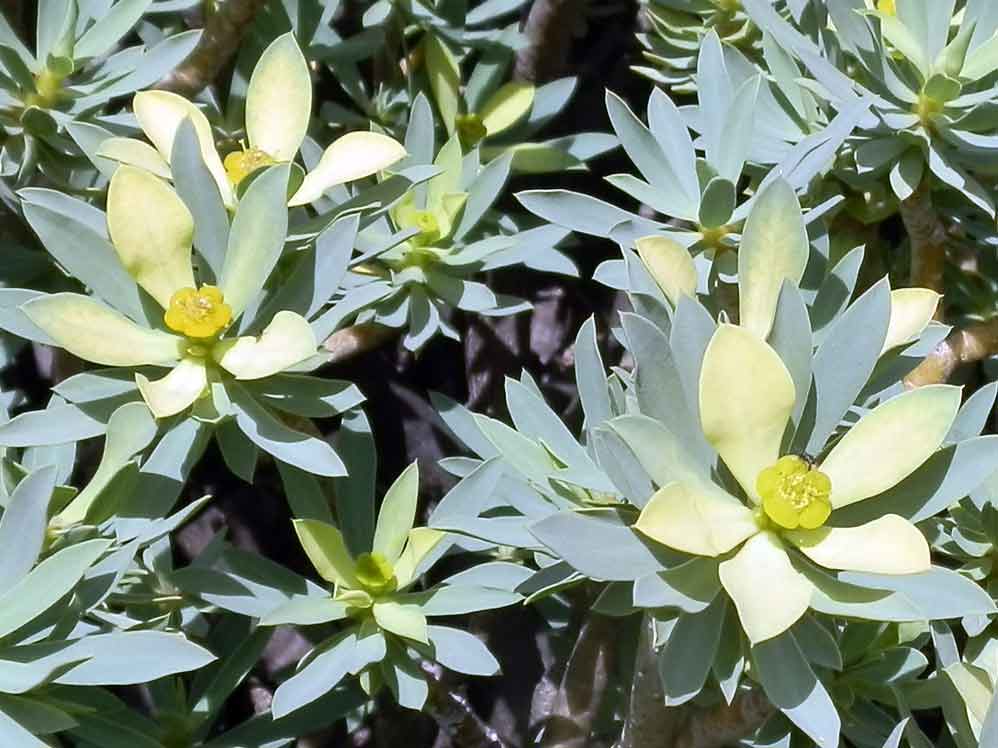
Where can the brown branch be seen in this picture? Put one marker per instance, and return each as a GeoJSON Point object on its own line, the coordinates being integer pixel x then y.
{"type": "Point", "coordinates": [579, 697]}
{"type": "Point", "coordinates": [549, 29]}
{"type": "Point", "coordinates": [960, 347]}
{"type": "Point", "coordinates": [224, 29]}
{"type": "Point", "coordinates": [726, 724]}
{"type": "Point", "coordinates": [455, 715]}
{"type": "Point", "coordinates": [649, 723]}
{"type": "Point", "coordinates": [928, 238]}
{"type": "Point", "coordinates": [357, 339]}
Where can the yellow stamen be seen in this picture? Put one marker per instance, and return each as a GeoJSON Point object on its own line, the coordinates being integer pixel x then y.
{"type": "Point", "coordinates": [795, 494]}
{"type": "Point", "coordinates": [198, 313]}
{"type": "Point", "coordinates": [887, 7]}
{"type": "Point", "coordinates": [240, 164]}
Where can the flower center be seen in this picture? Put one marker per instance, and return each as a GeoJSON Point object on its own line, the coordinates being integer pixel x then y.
{"type": "Point", "coordinates": [48, 89]}
{"type": "Point", "coordinates": [240, 164]}
{"type": "Point", "coordinates": [795, 494]}
{"type": "Point", "coordinates": [728, 6]}
{"type": "Point", "coordinates": [428, 225]}
{"type": "Point", "coordinates": [927, 108]}
{"type": "Point", "coordinates": [375, 573]}
{"type": "Point", "coordinates": [887, 7]}
{"type": "Point", "coordinates": [198, 313]}
{"type": "Point", "coordinates": [470, 130]}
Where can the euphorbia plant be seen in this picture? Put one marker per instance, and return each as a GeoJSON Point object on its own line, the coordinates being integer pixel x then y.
{"type": "Point", "coordinates": [152, 232]}
{"type": "Point", "coordinates": [373, 589]}
{"type": "Point", "coordinates": [278, 110]}
{"type": "Point", "coordinates": [746, 400]}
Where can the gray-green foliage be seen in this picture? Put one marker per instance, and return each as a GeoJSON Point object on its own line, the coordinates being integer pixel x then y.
{"type": "Point", "coordinates": [771, 132]}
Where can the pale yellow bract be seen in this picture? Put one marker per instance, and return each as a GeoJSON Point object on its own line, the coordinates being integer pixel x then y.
{"type": "Point", "coordinates": [278, 108]}
{"type": "Point", "coordinates": [746, 399]}
{"type": "Point", "coordinates": [152, 231]}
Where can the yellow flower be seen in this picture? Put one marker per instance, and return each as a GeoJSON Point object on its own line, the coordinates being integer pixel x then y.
{"type": "Point", "coordinates": [278, 110]}
{"type": "Point", "coordinates": [747, 398]}
{"type": "Point", "coordinates": [795, 494]}
{"type": "Point", "coordinates": [425, 221]}
{"type": "Point", "coordinates": [887, 7]}
{"type": "Point", "coordinates": [152, 233]}
{"type": "Point", "coordinates": [240, 164]}
{"type": "Point", "coordinates": [198, 313]}
{"type": "Point", "coordinates": [375, 573]}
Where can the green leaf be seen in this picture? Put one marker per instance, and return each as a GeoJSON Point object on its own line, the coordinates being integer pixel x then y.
{"type": "Point", "coordinates": [950, 474]}
{"type": "Point", "coordinates": [445, 79]}
{"type": "Point", "coordinates": [306, 611]}
{"type": "Point", "coordinates": [318, 676]}
{"type": "Point", "coordinates": [907, 174]}
{"type": "Point", "coordinates": [304, 493]}
{"type": "Point", "coordinates": [774, 248]}
{"type": "Point", "coordinates": [405, 679]}
{"type": "Point", "coordinates": [575, 211]}
{"type": "Point", "coordinates": [662, 396]}
{"type": "Point", "coordinates": [717, 203]}
{"type": "Point", "coordinates": [397, 514]}
{"type": "Point", "coordinates": [590, 376]}
{"type": "Point", "coordinates": [405, 620]}
{"type": "Point", "coordinates": [355, 495]}
{"type": "Point", "coordinates": [461, 652]}
{"type": "Point", "coordinates": [273, 437]}
{"type": "Point", "coordinates": [47, 583]}
{"type": "Point", "coordinates": [460, 599]}
{"type": "Point", "coordinates": [739, 119]}
{"type": "Point", "coordinates": [15, 736]}
{"type": "Point", "coordinates": [690, 587]}
{"type": "Point", "coordinates": [256, 239]}
{"type": "Point", "coordinates": [644, 150]}
{"type": "Point", "coordinates": [791, 338]}
{"type": "Point", "coordinates": [37, 716]}
{"type": "Point", "coordinates": [129, 431]}
{"type": "Point", "coordinates": [835, 292]}
{"type": "Point", "coordinates": [75, 234]}
{"type": "Point", "coordinates": [54, 29]}
{"type": "Point", "coordinates": [129, 657]}
{"type": "Point", "coordinates": [535, 420]}
{"type": "Point", "coordinates": [901, 37]}
{"type": "Point", "coordinates": [22, 527]}
{"type": "Point", "coordinates": [601, 546]}
{"type": "Point", "coordinates": [793, 687]}
{"type": "Point", "coordinates": [197, 188]}
{"type": "Point", "coordinates": [110, 28]}
{"type": "Point", "coordinates": [507, 106]}
{"type": "Point", "coordinates": [845, 360]}
{"type": "Point", "coordinates": [324, 546]}
{"type": "Point", "coordinates": [684, 662]}
{"type": "Point", "coordinates": [938, 594]}
{"type": "Point", "coordinates": [58, 424]}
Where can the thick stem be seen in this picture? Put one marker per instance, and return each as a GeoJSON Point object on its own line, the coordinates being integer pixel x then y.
{"type": "Point", "coordinates": [357, 339]}
{"type": "Point", "coordinates": [577, 701]}
{"type": "Point", "coordinates": [928, 238]}
{"type": "Point", "coordinates": [549, 30]}
{"type": "Point", "coordinates": [726, 724]}
{"type": "Point", "coordinates": [960, 347]}
{"type": "Point", "coordinates": [649, 723]}
{"type": "Point", "coordinates": [224, 29]}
